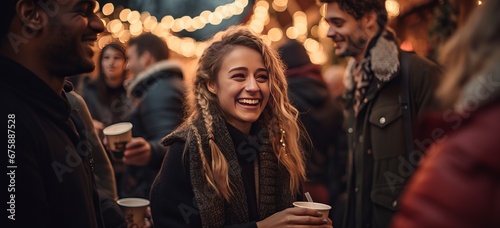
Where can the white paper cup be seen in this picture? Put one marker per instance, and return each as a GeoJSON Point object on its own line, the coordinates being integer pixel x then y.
{"type": "Point", "coordinates": [118, 135]}
{"type": "Point", "coordinates": [323, 208]}
{"type": "Point", "coordinates": [134, 210]}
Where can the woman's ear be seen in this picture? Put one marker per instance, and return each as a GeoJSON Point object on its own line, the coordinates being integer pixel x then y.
{"type": "Point", "coordinates": [212, 87]}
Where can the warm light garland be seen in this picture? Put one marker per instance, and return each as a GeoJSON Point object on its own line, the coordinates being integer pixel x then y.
{"type": "Point", "coordinates": [133, 23]}
{"type": "Point", "coordinates": [392, 7]}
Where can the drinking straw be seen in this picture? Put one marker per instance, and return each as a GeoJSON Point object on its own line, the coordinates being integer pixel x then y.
{"type": "Point", "coordinates": [308, 197]}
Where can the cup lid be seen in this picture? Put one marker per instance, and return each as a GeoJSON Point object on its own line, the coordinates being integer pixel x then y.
{"type": "Point", "coordinates": [118, 128]}
{"type": "Point", "coordinates": [312, 205]}
{"type": "Point", "coordinates": [133, 202]}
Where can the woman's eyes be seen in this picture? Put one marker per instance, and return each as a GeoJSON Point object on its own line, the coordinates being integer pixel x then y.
{"type": "Point", "coordinates": [114, 58]}
{"type": "Point", "coordinates": [238, 76]}
{"type": "Point", "coordinates": [260, 77]}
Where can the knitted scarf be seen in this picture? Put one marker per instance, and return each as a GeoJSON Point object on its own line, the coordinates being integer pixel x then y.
{"type": "Point", "coordinates": [274, 190]}
{"type": "Point", "coordinates": [362, 79]}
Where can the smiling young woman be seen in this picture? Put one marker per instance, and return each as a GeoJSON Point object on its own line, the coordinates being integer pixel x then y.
{"type": "Point", "coordinates": [242, 136]}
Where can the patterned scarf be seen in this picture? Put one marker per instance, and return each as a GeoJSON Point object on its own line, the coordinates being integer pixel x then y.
{"type": "Point", "coordinates": [362, 79]}
{"type": "Point", "coordinates": [381, 63]}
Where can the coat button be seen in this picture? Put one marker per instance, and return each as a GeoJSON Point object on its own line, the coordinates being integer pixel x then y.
{"type": "Point", "coordinates": [360, 139]}
{"type": "Point", "coordinates": [369, 152]}
{"type": "Point", "coordinates": [382, 120]}
{"type": "Point", "coordinates": [350, 130]}
{"type": "Point", "coordinates": [394, 203]}
{"type": "Point", "coordinates": [356, 189]}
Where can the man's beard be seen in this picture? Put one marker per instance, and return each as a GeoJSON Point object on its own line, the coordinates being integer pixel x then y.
{"type": "Point", "coordinates": [65, 55]}
{"type": "Point", "coordinates": [355, 44]}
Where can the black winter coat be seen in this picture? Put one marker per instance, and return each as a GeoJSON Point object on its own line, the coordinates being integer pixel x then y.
{"type": "Point", "coordinates": [322, 117]}
{"type": "Point", "coordinates": [51, 181]}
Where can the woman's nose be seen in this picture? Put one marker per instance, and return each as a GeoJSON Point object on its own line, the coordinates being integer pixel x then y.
{"type": "Point", "coordinates": [251, 85]}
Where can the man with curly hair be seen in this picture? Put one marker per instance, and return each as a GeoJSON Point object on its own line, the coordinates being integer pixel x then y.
{"type": "Point", "coordinates": [381, 156]}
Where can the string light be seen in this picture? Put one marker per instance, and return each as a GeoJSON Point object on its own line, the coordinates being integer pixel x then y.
{"type": "Point", "coordinates": [133, 23]}
{"type": "Point", "coordinates": [108, 9]}
{"type": "Point", "coordinates": [392, 7]}
{"type": "Point", "coordinates": [280, 5]}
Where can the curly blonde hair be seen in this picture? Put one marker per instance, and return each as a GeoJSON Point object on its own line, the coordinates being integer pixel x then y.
{"type": "Point", "coordinates": [279, 115]}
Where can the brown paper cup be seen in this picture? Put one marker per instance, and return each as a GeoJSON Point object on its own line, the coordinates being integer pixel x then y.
{"type": "Point", "coordinates": [134, 210]}
{"type": "Point", "coordinates": [323, 208]}
{"type": "Point", "coordinates": [118, 135]}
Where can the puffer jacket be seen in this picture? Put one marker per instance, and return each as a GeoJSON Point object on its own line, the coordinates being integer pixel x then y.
{"type": "Point", "coordinates": [158, 97]}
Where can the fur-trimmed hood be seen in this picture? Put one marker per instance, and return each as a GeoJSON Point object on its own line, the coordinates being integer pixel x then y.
{"type": "Point", "coordinates": [479, 91]}
{"type": "Point", "coordinates": [164, 65]}
{"type": "Point", "coordinates": [384, 60]}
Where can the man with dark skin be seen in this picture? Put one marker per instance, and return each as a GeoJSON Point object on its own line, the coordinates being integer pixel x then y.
{"type": "Point", "coordinates": [42, 42]}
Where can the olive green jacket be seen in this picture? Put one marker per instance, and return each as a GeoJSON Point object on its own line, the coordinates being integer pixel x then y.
{"type": "Point", "coordinates": [103, 170]}
{"type": "Point", "coordinates": [378, 164]}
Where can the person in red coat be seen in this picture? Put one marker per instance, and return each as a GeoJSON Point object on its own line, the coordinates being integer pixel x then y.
{"type": "Point", "coordinates": [458, 183]}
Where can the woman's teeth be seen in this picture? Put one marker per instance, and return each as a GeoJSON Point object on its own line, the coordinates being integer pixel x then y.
{"type": "Point", "coordinates": [249, 101]}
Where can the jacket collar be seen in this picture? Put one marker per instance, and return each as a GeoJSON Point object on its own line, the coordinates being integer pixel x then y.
{"type": "Point", "coordinates": [164, 65]}
{"type": "Point", "coordinates": [35, 92]}
{"type": "Point", "coordinates": [384, 60]}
